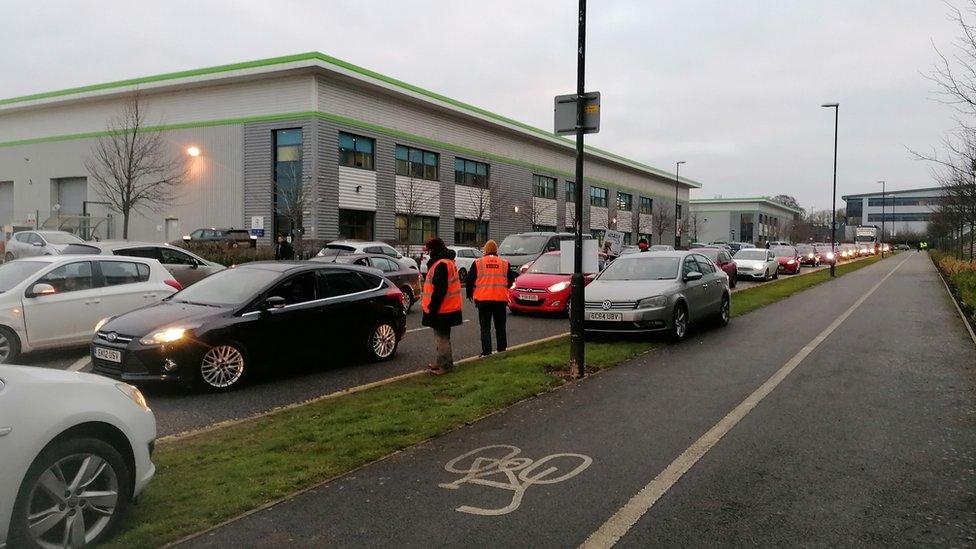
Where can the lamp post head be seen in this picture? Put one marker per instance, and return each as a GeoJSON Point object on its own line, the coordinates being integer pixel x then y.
{"type": "Point", "coordinates": [830, 105]}
{"type": "Point", "coordinates": [680, 162]}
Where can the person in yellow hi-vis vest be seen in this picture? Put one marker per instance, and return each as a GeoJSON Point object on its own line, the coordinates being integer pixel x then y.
{"type": "Point", "coordinates": [487, 286]}
{"type": "Point", "coordinates": [441, 302]}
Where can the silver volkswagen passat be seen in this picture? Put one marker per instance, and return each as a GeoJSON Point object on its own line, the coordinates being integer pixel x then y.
{"type": "Point", "coordinates": [656, 292]}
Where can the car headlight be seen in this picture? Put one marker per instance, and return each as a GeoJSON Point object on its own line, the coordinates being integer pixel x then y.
{"type": "Point", "coordinates": [102, 322]}
{"type": "Point", "coordinates": [790, 262]}
{"type": "Point", "coordinates": [168, 335]}
{"type": "Point", "coordinates": [558, 287]}
{"type": "Point", "coordinates": [652, 302]}
{"type": "Point", "coordinates": [810, 256]}
{"type": "Point", "coordinates": [135, 395]}
{"type": "Point", "coordinates": [760, 266]}
{"type": "Point", "coordinates": [830, 255]}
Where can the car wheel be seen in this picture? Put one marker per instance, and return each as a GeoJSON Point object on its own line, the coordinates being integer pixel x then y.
{"type": "Point", "coordinates": [725, 311]}
{"type": "Point", "coordinates": [462, 273]}
{"type": "Point", "coordinates": [222, 367]}
{"type": "Point", "coordinates": [8, 257]}
{"type": "Point", "coordinates": [9, 345]}
{"type": "Point", "coordinates": [73, 495]}
{"type": "Point", "coordinates": [733, 281]}
{"type": "Point", "coordinates": [382, 342]}
{"type": "Point", "coordinates": [679, 323]}
{"type": "Point", "coordinates": [776, 275]}
{"type": "Point", "coordinates": [411, 299]}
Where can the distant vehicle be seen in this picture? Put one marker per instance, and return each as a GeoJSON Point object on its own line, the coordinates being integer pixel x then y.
{"type": "Point", "coordinates": [464, 258]}
{"type": "Point", "coordinates": [56, 301]}
{"type": "Point", "coordinates": [543, 288]}
{"type": "Point", "coordinates": [367, 247]}
{"type": "Point", "coordinates": [220, 331]}
{"type": "Point", "coordinates": [36, 243]}
{"type": "Point", "coordinates": [849, 251]}
{"type": "Point", "coordinates": [788, 258]}
{"type": "Point", "coordinates": [405, 278]}
{"type": "Point", "coordinates": [779, 243]}
{"type": "Point", "coordinates": [523, 248]}
{"type": "Point", "coordinates": [657, 291]}
{"type": "Point", "coordinates": [627, 250]}
{"type": "Point", "coordinates": [722, 259]}
{"type": "Point", "coordinates": [808, 255]}
{"type": "Point", "coordinates": [903, 247]}
{"type": "Point", "coordinates": [661, 248]}
{"type": "Point", "coordinates": [736, 246]}
{"type": "Point", "coordinates": [185, 267]}
{"type": "Point", "coordinates": [232, 238]}
{"type": "Point", "coordinates": [697, 245]}
{"type": "Point", "coordinates": [73, 460]}
{"type": "Point", "coordinates": [867, 239]}
{"type": "Point", "coordinates": [826, 254]}
{"type": "Point", "coordinates": [756, 263]}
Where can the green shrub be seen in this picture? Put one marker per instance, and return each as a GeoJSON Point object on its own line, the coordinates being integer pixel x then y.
{"type": "Point", "coordinates": [961, 276]}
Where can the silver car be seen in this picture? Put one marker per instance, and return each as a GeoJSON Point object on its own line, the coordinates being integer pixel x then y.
{"type": "Point", "coordinates": [186, 268]}
{"type": "Point", "coordinates": [756, 263]}
{"type": "Point", "coordinates": [36, 243]}
{"type": "Point", "coordinates": [657, 292]}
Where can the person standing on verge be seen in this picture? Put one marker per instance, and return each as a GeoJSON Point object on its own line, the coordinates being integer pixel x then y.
{"type": "Point", "coordinates": [441, 302]}
{"type": "Point", "coordinates": [487, 286]}
{"type": "Point", "coordinates": [283, 250]}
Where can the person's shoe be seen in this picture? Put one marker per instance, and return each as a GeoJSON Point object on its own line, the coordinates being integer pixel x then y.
{"type": "Point", "coordinates": [501, 350]}
{"type": "Point", "coordinates": [483, 355]}
{"type": "Point", "coordinates": [436, 371]}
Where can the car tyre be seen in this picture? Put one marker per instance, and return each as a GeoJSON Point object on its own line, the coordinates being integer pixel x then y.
{"type": "Point", "coordinates": [411, 299]}
{"type": "Point", "coordinates": [9, 345]}
{"type": "Point", "coordinates": [776, 275]}
{"type": "Point", "coordinates": [223, 367]}
{"type": "Point", "coordinates": [462, 274]}
{"type": "Point", "coordinates": [109, 476]}
{"type": "Point", "coordinates": [8, 257]}
{"type": "Point", "coordinates": [725, 311]}
{"type": "Point", "coordinates": [381, 342]}
{"type": "Point", "coordinates": [679, 323]}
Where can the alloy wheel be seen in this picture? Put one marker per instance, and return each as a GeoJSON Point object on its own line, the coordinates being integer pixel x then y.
{"type": "Point", "coordinates": [5, 348]}
{"type": "Point", "coordinates": [724, 311]}
{"type": "Point", "coordinates": [222, 366]}
{"type": "Point", "coordinates": [680, 322]}
{"type": "Point", "coordinates": [72, 502]}
{"type": "Point", "coordinates": [383, 341]}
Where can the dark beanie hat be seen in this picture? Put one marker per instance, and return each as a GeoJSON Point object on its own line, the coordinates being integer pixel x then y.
{"type": "Point", "coordinates": [435, 245]}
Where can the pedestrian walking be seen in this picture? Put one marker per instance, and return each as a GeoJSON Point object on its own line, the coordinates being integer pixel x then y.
{"type": "Point", "coordinates": [487, 286]}
{"type": "Point", "coordinates": [643, 245]}
{"type": "Point", "coordinates": [441, 302]}
{"type": "Point", "coordinates": [284, 250]}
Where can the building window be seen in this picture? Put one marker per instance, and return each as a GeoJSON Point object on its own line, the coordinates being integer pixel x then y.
{"type": "Point", "coordinates": [646, 205]}
{"type": "Point", "coordinates": [356, 151]}
{"type": "Point", "coordinates": [419, 231]}
{"type": "Point", "coordinates": [627, 239]}
{"type": "Point", "coordinates": [288, 181]}
{"type": "Point", "coordinates": [678, 210]}
{"type": "Point", "coordinates": [746, 228]}
{"type": "Point", "coordinates": [598, 197]}
{"type": "Point", "coordinates": [624, 202]}
{"type": "Point", "coordinates": [544, 228]}
{"type": "Point", "coordinates": [570, 191]}
{"type": "Point", "coordinates": [598, 235]}
{"type": "Point", "coordinates": [468, 232]}
{"type": "Point", "coordinates": [905, 217]}
{"type": "Point", "coordinates": [543, 187]}
{"type": "Point", "coordinates": [470, 173]}
{"type": "Point", "coordinates": [416, 163]}
{"type": "Point", "coordinates": [356, 224]}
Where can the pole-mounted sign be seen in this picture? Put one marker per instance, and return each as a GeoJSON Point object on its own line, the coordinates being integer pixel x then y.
{"type": "Point", "coordinates": [565, 113]}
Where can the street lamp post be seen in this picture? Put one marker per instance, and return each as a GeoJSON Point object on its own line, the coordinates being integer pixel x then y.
{"type": "Point", "coordinates": [833, 203]}
{"type": "Point", "coordinates": [677, 229]}
{"type": "Point", "coordinates": [577, 349]}
{"type": "Point", "coordinates": [882, 217]}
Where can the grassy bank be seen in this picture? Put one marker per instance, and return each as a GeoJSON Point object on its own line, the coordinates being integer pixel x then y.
{"type": "Point", "coordinates": [207, 478]}
{"type": "Point", "coordinates": [961, 276]}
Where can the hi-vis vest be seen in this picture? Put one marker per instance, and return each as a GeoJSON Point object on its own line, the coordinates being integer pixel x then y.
{"type": "Point", "coordinates": [452, 300]}
{"type": "Point", "coordinates": [492, 281]}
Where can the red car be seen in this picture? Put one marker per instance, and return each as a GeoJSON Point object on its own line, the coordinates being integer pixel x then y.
{"type": "Point", "coordinates": [542, 288]}
{"type": "Point", "coordinates": [788, 257]}
{"type": "Point", "coordinates": [722, 259]}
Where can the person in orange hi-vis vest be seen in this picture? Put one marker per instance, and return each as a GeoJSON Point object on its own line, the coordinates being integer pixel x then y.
{"type": "Point", "coordinates": [487, 285]}
{"type": "Point", "coordinates": [441, 302]}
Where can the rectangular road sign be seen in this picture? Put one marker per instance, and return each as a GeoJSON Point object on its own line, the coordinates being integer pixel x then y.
{"type": "Point", "coordinates": [565, 113]}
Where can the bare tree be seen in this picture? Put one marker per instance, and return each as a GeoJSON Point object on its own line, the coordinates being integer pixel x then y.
{"type": "Point", "coordinates": [695, 221]}
{"type": "Point", "coordinates": [294, 198]}
{"type": "Point", "coordinates": [787, 200]}
{"type": "Point", "coordinates": [133, 167]}
{"type": "Point", "coordinates": [413, 199]}
{"type": "Point", "coordinates": [663, 221]}
{"type": "Point", "coordinates": [533, 212]}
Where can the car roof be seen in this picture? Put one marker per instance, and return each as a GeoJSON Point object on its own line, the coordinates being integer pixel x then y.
{"type": "Point", "coordinates": [113, 244]}
{"type": "Point", "coordinates": [753, 249]}
{"type": "Point", "coordinates": [668, 253]}
{"type": "Point", "coordinates": [289, 266]}
{"type": "Point", "coordinates": [76, 257]}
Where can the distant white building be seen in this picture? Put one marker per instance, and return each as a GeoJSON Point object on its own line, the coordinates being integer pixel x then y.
{"type": "Point", "coordinates": [907, 211]}
{"type": "Point", "coordinates": [754, 220]}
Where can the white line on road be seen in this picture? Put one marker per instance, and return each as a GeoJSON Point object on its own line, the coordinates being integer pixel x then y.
{"type": "Point", "coordinates": [428, 327]}
{"type": "Point", "coordinates": [77, 365]}
{"type": "Point", "coordinates": [623, 520]}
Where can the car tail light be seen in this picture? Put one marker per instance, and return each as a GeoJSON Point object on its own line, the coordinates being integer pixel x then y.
{"type": "Point", "coordinates": [395, 293]}
{"type": "Point", "coordinates": [174, 283]}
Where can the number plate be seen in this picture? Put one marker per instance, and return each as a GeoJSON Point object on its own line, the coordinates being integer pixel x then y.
{"type": "Point", "coordinates": [110, 355]}
{"type": "Point", "coordinates": [528, 297]}
{"type": "Point", "coordinates": [600, 315]}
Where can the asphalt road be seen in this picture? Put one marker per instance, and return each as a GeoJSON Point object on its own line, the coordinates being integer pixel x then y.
{"type": "Point", "coordinates": [866, 436]}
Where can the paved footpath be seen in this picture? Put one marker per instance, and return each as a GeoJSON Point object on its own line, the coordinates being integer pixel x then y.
{"type": "Point", "coordinates": [866, 435]}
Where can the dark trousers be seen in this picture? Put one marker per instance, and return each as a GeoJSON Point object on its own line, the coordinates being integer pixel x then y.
{"type": "Point", "coordinates": [489, 311]}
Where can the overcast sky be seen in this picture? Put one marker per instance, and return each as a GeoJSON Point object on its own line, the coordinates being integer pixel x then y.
{"type": "Point", "coordinates": [733, 88]}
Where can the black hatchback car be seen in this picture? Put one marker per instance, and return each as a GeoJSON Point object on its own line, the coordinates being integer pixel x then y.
{"type": "Point", "coordinates": [262, 315]}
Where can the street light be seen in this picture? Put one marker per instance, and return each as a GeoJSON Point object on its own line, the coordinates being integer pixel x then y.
{"type": "Point", "coordinates": [677, 230]}
{"type": "Point", "coordinates": [882, 183]}
{"type": "Point", "coordinates": [833, 204]}
{"type": "Point", "coordinates": [193, 151]}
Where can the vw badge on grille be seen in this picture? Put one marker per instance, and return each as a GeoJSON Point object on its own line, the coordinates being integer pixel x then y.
{"type": "Point", "coordinates": [606, 305]}
{"type": "Point", "coordinates": [111, 336]}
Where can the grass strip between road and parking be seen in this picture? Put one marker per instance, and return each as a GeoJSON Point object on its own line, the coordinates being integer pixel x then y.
{"type": "Point", "coordinates": [205, 479]}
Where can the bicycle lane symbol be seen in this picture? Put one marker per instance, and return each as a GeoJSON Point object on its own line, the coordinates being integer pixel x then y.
{"type": "Point", "coordinates": [497, 466]}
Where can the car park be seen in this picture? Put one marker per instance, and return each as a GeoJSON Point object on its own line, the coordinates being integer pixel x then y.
{"type": "Point", "coordinates": [809, 255]}
{"type": "Point", "coordinates": [523, 248]}
{"type": "Point", "coordinates": [756, 263]}
{"type": "Point", "coordinates": [464, 258]}
{"type": "Point", "coordinates": [657, 292]}
{"type": "Point", "coordinates": [36, 243]}
{"type": "Point", "coordinates": [543, 288]}
{"type": "Point", "coordinates": [69, 470]}
{"type": "Point", "coordinates": [788, 258]}
{"type": "Point", "coordinates": [367, 247]}
{"type": "Point", "coordinates": [257, 316]}
{"type": "Point", "coordinates": [231, 237]}
{"type": "Point", "coordinates": [185, 266]}
{"type": "Point", "coordinates": [722, 259]}
{"type": "Point", "coordinates": [55, 301]}
{"type": "Point", "coordinates": [408, 280]}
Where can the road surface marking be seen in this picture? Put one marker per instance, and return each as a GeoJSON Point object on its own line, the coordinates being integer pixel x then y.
{"type": "Point", "coordinates": [486, 462]}
{"type": "Point", "coordinates": [623, 520]}
{"type": "Point", "coordinates": [428, 327]}
{"type": "Point", "coordinates": [77, 365]}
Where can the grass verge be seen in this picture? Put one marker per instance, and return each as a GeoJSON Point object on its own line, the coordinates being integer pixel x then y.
{"type": "Point", "coordinates": [207, 478]}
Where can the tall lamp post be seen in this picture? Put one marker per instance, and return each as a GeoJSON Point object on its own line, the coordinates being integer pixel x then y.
{"type": "Point", "coordinates": [833, 203]}
{"type": "Point", "coordinates": [677, 229]}
{"type": "Point", "coordinates": [577, 349]}
{"type": "Point", "coordinates": [882, 183]}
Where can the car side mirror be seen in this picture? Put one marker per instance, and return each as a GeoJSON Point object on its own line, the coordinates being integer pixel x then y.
{"type": "Point", "coordinates": [272, 303]}
{"type": "Point", "coordinates": [42, 289]}
{"type": "Point", "coordinates": [37, 244]}
{"type": "Point", "coordinates": [692, 276]}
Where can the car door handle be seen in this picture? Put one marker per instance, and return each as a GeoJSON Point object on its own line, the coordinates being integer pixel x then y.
{"type": "Point", "coordinates": [93, 302]}
{"type": "Point", "coordinates": [4, 431]}
{"type": "Point", "coordinates": [149, 295]}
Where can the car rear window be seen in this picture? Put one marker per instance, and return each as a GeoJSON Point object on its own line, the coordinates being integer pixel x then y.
{"type": "Point", "coordinates": [123, 272]}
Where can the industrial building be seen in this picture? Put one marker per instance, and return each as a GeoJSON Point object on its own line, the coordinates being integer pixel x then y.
{"type": "Point", "coordinates": [371, 157]}
{"type": "Point", "coordinates": [902, 212]}
{"type": "Point", "coordinates": [755, 220]}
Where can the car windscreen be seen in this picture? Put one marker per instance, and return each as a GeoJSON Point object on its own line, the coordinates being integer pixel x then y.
{"type": "Point", "coordinates": [784, 252]}
{"type": "Point", "coordinates": [642, 268]}
{"type": "Point", "coordinates": [61, 238]}
{"type": "Point", "coordinates": [13, 273]}
{"type": "Point", "coordinates": [229, 287]}
{"type": "Point", "coordinates": [752, 255]}
{"type": "Point", "coordinates": [806, 249]}
{"type": "Point", "coordinates": [518, 244]}
{"type": "Point", "coordinates": [661, 248]}
{"type": "Point", "coordinates": [546, 264]}
{"type": "Point", "coordinates": [710, 253]}
{"type": "Point", "coordinates": [71, 249]}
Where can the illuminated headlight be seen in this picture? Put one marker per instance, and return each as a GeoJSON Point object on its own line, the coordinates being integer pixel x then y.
{"type": "Point", "coordinates": [168, 335]}
{"type": "Point", "coordinates": [102, 322]}
{"type": "Point", "coordinates": [652, 302]}
{"type": "Point", "coordinates": [810, 256]}
{"type": "Point", "coordinates": [135, 395]}
{"type": "Point", "coordinates": [830, 255]}
{"type": "Point", "coordinates": [790, 262]}
{"type": "Point", "coordinates": [558, 287]}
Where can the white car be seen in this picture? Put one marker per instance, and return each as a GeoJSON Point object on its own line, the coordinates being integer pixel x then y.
{"type": "Point", "coordinates": [35, 243]}
{"type": "Point", "coordinates": [56, 301]}
{"type": "Point", "coordinates": [69, 471]}
{"type": "Point", "coordinates": [756, 263]}
{"type": "Point", "coordinates": [464, 258]}
{"type": "Point", "coordinates": [363, 247]}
